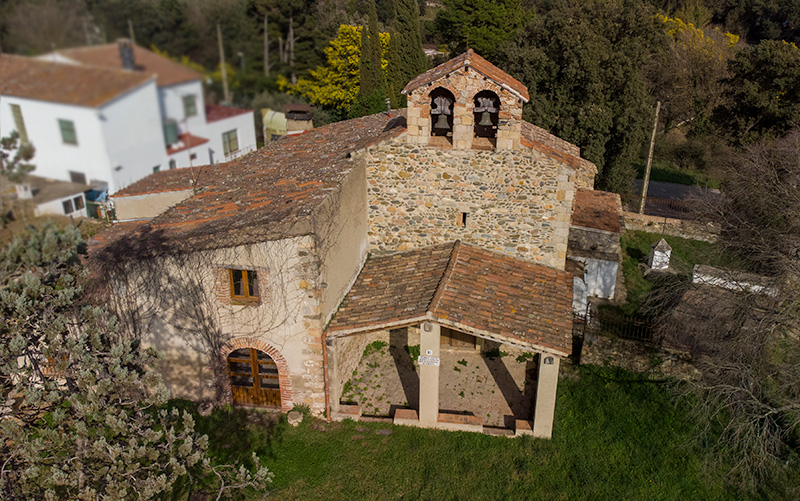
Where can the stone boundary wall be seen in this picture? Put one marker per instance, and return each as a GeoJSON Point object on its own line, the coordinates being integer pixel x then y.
{"type": "Point", "coordinates": [685, 228]}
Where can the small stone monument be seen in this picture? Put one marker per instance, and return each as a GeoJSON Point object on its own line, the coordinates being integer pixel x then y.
{"type": "Point", "coordinates": [660, 254]}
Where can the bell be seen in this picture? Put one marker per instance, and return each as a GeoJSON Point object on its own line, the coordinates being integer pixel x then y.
{"type": "Point", "coordinates": [486, 120]}
{"type": "Point", "coordinates": [441, 123]}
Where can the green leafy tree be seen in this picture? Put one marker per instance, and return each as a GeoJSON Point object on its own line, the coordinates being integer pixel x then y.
{"type": "Point", "coordinates": [583, 64]}
{"type": "Point", "coordinates": [15, 164]}
{"type": "Point", "coordinates": [82, 413]}
{"type": "Point", "coordinates": [335, 85]}
{"type": "Point", "coordinates": [483, 25]}
{"type": "Point", "coordinates": [406, 57]}
{"type": "Point", "coordinates": [763, 97]}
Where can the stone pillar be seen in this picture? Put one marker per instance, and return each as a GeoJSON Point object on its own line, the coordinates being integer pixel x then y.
{"type": "Point", "coordinates": [546, 396]}
{"type": "Point", "coordinates": [429, 344]}
{"type": "Point", "coordinates": [334, 388]}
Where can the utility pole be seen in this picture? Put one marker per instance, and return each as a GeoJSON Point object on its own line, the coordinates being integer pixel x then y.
{"type": "Point", "coordinates": [130, 32]}
{"type": "Point", "coordinates": [646, 179]}
{"type": "Point", "coordinates": [226, 96]}
{"type": "Point", "coordinates": [266, 46]}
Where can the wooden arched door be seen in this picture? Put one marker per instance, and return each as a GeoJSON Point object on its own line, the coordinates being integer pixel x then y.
{"type": "Point", "coordinates": [254, 378]}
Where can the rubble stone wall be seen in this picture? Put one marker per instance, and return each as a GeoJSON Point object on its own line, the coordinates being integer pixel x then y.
{"type": "Point", "coordinates": [517, 202]}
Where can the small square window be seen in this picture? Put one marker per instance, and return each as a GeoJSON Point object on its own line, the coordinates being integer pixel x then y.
{"type": "Point", "coordinates": [172, 164]}
{"type": "Point", "coordinates": [230, 142]}
{"type": "Point", "coordinates": [156, 169]}
{"type": "Point", "coordinates": [68, 207]}
{"type": "Point", "coordinates": [193, 156]}
{"type": "Point", "coordinates": [190, 105]}
{"type": "Point", "coordinates": [244, 286]}
{"type": "Point", "coordinates": [78, 203]}
{"type": "Point", "coordinates": [77, 177]}
{"type": "Point", "coordinates": [461, 219]}
{"type": "Point", "coordinates": [68, 134]}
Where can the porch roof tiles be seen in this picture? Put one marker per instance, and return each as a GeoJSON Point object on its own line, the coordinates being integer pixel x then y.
{"type": "Point", "coordinates": [467, 287]}
{"type": "Point", "coordinates": [600, 210]}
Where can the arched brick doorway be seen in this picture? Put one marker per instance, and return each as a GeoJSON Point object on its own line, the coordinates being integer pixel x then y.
{"type": "Point", "coordinates": [257, 375]}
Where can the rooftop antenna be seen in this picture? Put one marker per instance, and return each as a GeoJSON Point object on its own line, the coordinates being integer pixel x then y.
{"type": "Point", "coordinates": [131, 35]}
{"type": "Point", "coordinates": [225, 94]}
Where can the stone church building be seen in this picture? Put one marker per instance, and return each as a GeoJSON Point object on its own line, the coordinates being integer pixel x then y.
{"type": "Point", "coordinates": [263, 280]}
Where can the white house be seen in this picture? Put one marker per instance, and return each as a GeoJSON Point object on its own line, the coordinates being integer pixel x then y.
{"type": "Point", "coordinates": [109, 115]}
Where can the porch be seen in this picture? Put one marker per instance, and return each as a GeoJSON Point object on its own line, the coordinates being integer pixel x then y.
{"type": "Point", "coordinates": [451, 337]}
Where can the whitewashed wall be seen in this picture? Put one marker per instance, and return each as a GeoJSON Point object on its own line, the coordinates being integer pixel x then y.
{"type": "Point", "coordinates": [54, 159]}
{"type": "Point", "coordinates": [56, 207]}
{"type": "Point", "coordinates": [171, 101]}
{"type": "Point", "coordinates": [245, 128]}
{"type": "Point", "coordinates": [133, 136]}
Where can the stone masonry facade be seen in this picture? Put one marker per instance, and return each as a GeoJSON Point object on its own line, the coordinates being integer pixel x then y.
{"type": "Point", "coordinates": [517, 202]}
{"type": "Point", "coordinates": [464, 83]}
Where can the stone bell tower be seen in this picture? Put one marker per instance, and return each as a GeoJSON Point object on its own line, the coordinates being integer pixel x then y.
{"type": "Point", "coordinates": [466, 103]}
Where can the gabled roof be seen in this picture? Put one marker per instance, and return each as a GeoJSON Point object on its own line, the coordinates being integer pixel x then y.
{"type": "Point", "coordinates": [476, 62]}
{"type": "Point", "coordinates": [469, 288]}
{"type": "Point", "coordinates": [167, 72]}
{"type": "Point", "coordinates": [216, 112]}
{"type": "Point", "coordinates": [599, 210]}
{"type": "Point", "coordinates": [64, 83]}
{"type": "Point", "coordinates": [186, 141]}
{"type": "Point", "coordinates": [262, 195]}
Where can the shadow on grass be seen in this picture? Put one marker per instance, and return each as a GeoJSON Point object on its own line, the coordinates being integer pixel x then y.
{"type": "Point", "coordinates": [234, 433]}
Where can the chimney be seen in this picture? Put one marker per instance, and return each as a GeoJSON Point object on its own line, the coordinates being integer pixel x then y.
{"type": "Point", "coordinates": [126, 53]}
{"type": "Point", "coordinates": [299, 118]}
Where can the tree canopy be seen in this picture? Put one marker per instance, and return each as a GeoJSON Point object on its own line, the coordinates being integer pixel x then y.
{"type": "Point", "coordinates": [84, 411]}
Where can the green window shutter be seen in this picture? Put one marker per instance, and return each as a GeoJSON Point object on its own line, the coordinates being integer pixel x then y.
{"type": "Point", "coordinates": [170, 132]}
{"type": "Point", "coordinates": [68, 134]}
{"type": "Point", "coordinates": [19, 123]}
{"type": "Point", "coordinates": [189, 105]}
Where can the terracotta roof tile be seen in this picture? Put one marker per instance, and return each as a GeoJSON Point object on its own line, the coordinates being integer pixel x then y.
{"type": "Point", "coordinates": [464, 285]}
{"type": "Point", "coordinates": [261, 195]}
{"type": "Point", "coordinates": [167, 72]}
{"type": "Point", "coordinates": [542, 141]}
{"type": "Point", "coordinates": [64, 83]}
{"type": "Point", "coordinates": [597, 209]}
{"type": "Point", "coordinates": [215, 112]}
{"type": "Point", "coordinates": [186, 141]}
{"type": "Point", "coordinates": [478, 63]}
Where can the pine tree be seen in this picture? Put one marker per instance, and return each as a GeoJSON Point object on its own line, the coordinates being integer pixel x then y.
{"type": "Point", "coordinates": [406, 57]}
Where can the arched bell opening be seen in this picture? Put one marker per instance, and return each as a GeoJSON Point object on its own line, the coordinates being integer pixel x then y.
{"type": "Point", "coordinates": [442, 102]}
{"type": "Point", "coordinates": [254, 378]}
{"type": "Point", "coordinates": [487, 113]}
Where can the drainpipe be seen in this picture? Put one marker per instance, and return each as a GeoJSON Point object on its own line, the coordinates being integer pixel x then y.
{"type": "Point", "coordinates": [328, 417]}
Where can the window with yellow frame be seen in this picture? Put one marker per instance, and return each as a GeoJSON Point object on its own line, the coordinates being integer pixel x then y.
{"type": "Point", "coordinates": [244, 286]}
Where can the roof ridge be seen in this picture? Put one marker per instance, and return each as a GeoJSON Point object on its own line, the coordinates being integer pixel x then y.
{"type": "Point", "coordinates": [448, 272]}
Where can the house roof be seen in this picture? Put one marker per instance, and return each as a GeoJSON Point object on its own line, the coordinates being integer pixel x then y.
{"type": "Point", "coordinates": [167, 71]}
{"type": "Point", "coordinates": [216, 112]}
{"type": "Point", "coordinates": [64, 83]}
{"type": "Point", "coordinates": [47, 190]}
{"type": "Point", "coordinates": [473, 60]}
{"type": "Point", "coordinates": [553, 146]}
{"type": "Point", "coordinates": [464, 286]}
{"type": "Point", "coordinates": [260, 196]}
{"type": "Point", "coordinates": [599, 210]}
{"type": "Point", "coordinates": [186, 141]}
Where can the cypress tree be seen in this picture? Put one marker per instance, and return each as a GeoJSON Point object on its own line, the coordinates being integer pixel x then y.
{"type": "Point", "coordinates": [406, 57]}
{"type": "Point", "coordinates": [372, 90]}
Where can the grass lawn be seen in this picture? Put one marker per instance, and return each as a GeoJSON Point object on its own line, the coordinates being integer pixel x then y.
{"type": "Point", "coordinates": [685, 254]}
{"type": "Point", "coordinates": [616, 436]}
{"type": "Point", "coordinates": [670, 173]}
